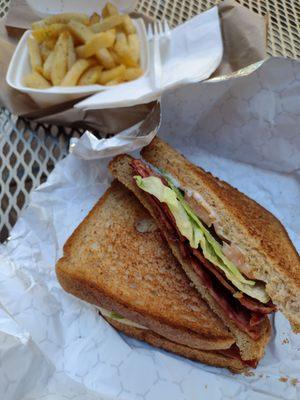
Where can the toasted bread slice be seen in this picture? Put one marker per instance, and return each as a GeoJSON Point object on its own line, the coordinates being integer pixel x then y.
{"type": "Point", "coordinates": [207, 357]}
{"type": "Point", "coordinates": [269, 252]}
{"type": "Point", "coordinates": [249, 348]}
{"type": "Point", "coordinates": [116, 259]}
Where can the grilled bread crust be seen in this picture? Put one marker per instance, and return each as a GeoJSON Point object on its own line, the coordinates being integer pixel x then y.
{"type": "Point", "coordinates": [269, 252]}
{"type": "Point", "coordinates": [250, 349]}
{"type": "Point", "coordinates": [109, 263]}
{"type": "Point", "coordinates": [207, 357]}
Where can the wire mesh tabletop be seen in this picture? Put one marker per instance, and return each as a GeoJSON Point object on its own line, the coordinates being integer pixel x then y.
{"type": "Point", "coordinates": [283, 19]}
{"type": "Point", "coordinates": [29, 152]}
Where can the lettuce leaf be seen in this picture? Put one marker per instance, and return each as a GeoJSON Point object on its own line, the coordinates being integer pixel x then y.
{"type": "Point", "coordinates": [192, 228]}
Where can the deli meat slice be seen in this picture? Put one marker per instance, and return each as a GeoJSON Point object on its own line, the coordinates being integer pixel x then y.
{"type": "Point", "coordinates": [247, 313]}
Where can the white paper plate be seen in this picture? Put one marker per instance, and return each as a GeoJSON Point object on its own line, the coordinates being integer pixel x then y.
{"type": "Point", "coordinates": [20, 66]}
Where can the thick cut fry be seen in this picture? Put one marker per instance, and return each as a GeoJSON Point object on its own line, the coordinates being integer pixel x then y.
{"type": "Point", "coordinates": [45, 51]}
{"type": "Point", "coordinates": [49, 32]}
{"type": "Point", "coordinates": [90, 76]}
{"type": "Point", "coordinates": [39, 69]}
{"type": "Point", "coordinates": [124, 52]}
{"type": "Point", "coordinates": [100, 40]}
{"type": "Point", "coordinates": [36, 81]}
{"type": "Point", "coordinates": [121, 38]}
{"type": "Point", "coordinates": [108, 23]}
{"type": "Point", "coordinates": [34, 53]}
{"type": "Point", "coordinates": [109, 10]}
{"type": "Point", "coordinates": [60, 59]}
{"type": "Point", "coordinates": [115, 56]}
{"type": "Point", "coordinates": [128, 25]}
{"type": "Point", "coordinates": [63, 18]}
{"type": "Point", "coordinates": [80, 31]}
{"type": "Point", "coordinates": [47, 68]}
{"type": "Point", "coordinates": [105, 58]}
{"type": "Point", "coordinates": [50, 43]}
{"type": "Point", "coordinates": [132, 74]}
{"type": "Point", "coordinates": [94, 18]}
{"type": "Point", "coordinates": [134, 45]}
{"type": "Point", "coordinates": [114, 82]}
{"type": "Point", "coordinates": [112, 74]}
{"type": "Point", "coordinates": [75, 72]}
{"type": "Point", "coordinates": [71, 52]}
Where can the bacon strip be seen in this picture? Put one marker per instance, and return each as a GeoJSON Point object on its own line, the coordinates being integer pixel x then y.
{"type": "Point", "coordinates": [240, 315]}
{"type": "Point", "coordinates": [246, 301]}
{"type": "Point", "coordinates": [247, 313]}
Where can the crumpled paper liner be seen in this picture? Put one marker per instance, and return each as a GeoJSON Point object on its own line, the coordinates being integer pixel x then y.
{"type": "Point", "coordinates": [242, 134]}
{"type": "Point", "coordinates": [244, 34]}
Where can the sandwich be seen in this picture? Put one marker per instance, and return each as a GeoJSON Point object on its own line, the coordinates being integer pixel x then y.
{"type": "Point", "coordinates": [235, 252]}
{"type": "Point", "coordinates": [118, 260]}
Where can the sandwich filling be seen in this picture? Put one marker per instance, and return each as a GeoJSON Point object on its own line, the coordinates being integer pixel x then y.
{"type": "Point", "coordinates": [219, 264]}
{"type": "Point", "coordinates": [232, 352]}
{"type": "Point", "coordinates": [116, 316]}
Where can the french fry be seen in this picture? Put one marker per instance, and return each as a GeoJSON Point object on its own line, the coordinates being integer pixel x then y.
{"type": "Point", "coordinates": [105, 58]}
{"type": "Point", "coordinates": [134, 44]}
{"type": "Point", "coordinates": [94, 18]}
{"type": "Point", "coordinates": [36, 81]}
{"type": "Point", "coordinates": [34, 53]}
{"type": "Point", "coordinates": [60, 59]}
{"type": "Point", "coordinates": [91, 75]}
{"type": "Point", "coordinates": [39, 69]}
{"type": "Point", "coordinates": [115, 56]}
{"type": "Point", "coordinates": [71, 52]}
{"type": "Point", "coordinates": [47, 68]}
{"type": "Point", "coordinates": [49, 32]}
{"type": "Point", "coordinates": [80, 31]}
{"type": "Point", "coordinates": [112, 74]}
{"type": "Point", "coordinates": [123, 51]}
{"type": "Point", "coordinates": [44, 51]}
{"type": "Point", "coordinates": [50, 43]}
{"type": "Point", "coordinates": [75, 72]}
{"type": "Point", "coordinates": [132, 73]}
{"type": "Point", "coordinates": [114, 82]}
{"type": "Point", "coordinates": [109, 10]}
{"type": "Point", "coordinates": [128, 26]}
{"type": "Point", "coordinates": [107, 23]}
{"type": "Point", "coordinates": [63, 18]}
{"type": "Point", "coordinates": [121, 38]}
{"type": "Point", "coordinates": [99, 40]}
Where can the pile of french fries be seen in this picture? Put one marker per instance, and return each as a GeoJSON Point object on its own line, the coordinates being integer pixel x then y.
{"type": "Point", "coordinates": [74, 49]}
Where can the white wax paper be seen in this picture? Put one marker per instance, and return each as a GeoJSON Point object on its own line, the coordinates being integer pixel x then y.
{"type": "Point", "coordinates": [54, 346]}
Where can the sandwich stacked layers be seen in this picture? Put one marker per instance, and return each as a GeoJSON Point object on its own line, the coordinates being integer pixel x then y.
{"type": "Point", "coordinates": [236, 253]}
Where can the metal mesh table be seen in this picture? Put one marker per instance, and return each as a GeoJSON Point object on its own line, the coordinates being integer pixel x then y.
{"type": "Point", "coordinates": [28, 151]}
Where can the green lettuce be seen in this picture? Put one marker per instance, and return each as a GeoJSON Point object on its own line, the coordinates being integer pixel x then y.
{"type": "Point", "coordinates": [192, 228]}
{"type": "Point", "coordinates": [115, 315]}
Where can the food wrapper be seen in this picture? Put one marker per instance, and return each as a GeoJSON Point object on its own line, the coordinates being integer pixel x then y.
{"type": "Point", "coordinates": [55, 346]}
{"type": "Point", "coordinates": [238, 25]}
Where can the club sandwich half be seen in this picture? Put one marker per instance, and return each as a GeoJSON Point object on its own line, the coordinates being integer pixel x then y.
{"type": "Point", "coordinates": [235, 252]}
